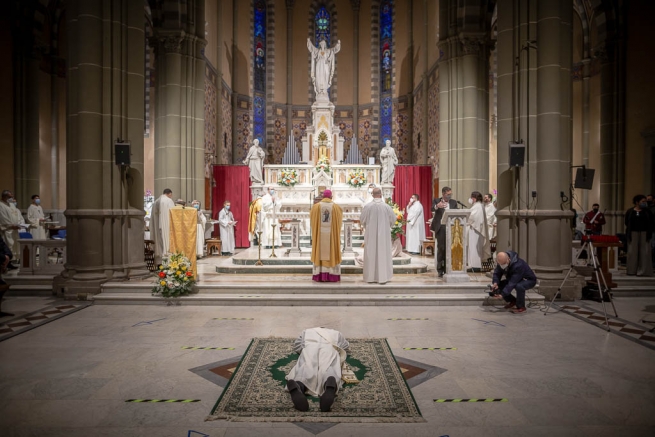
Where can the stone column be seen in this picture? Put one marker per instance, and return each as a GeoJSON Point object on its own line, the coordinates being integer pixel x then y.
{"type": "Point", "coordinates": [289, 5]}
{"type": "Point", "coordinates": [180, 100]}
{"type": "Point", "coordinates": [356, 5]}
{"type": "Point", "coordinates": [422, 157]}
{"type": "Point", "coordinates": [463, 101]}
{"type": "Point", "coordinates": [104, 213]}
{"type": "Point", "coordinates": [586, 115]}
{"type": "Point", "coordinates": [348, 236]}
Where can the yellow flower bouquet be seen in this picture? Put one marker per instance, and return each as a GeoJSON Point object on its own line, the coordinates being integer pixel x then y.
{"type": "Point", "coordinates": [174, 276]}
{"type": "Point", "coordinates": [356, 178]}
{"type": "Point", "coordinates": [288, 177]}
{"type": "Point", "coordinates": [397, 228]}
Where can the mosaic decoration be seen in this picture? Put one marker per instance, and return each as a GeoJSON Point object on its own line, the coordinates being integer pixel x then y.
{"type": "Point", "coordinates": [364, 141]}
{"type": "Point", "coordinates": [433, 129]}
{"type": "Point", "coordinates": [210, 125]}
{"type": "Point", "coordinates": [417, 122]}
{"type": "Point", "coordinates": [243, 139]}
{"type": "Point", "coordinates": [279, 140]}
{"type": "Point", "coordinates": [322, 26]}
{"type": "Point", "coordinates": [402, 134]}
{"type": "Point", "coordinates": [226, 142]}
{"type": "Point", "coordinates": [346, 131]}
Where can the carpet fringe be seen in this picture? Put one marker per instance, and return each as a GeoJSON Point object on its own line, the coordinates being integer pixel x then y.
{"type": "Point", "coordinates": [314, 419]}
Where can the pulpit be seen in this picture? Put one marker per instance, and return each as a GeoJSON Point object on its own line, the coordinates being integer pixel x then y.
{"type": "Point", "coordinates": [456, 244]}
{"type": "Point", "coordinates": [184, 232]}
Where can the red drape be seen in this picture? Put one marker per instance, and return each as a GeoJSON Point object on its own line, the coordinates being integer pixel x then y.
{"type": "Point", "coordinates": [233, 184]}
{"type": "Point", "coordinates": [414, 179]}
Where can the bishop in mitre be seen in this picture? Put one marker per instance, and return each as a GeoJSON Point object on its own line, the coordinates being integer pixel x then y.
{"type": "Point", "coordinates": [160, 224]}
{"type": "Point", "coordinates": [326, 217]}
{"type": "Point", "coordinates": [255, 219]}
{"type": "Point", "coordinates": [377, 218]}
{"type": "Point", "coordinates": [271, 207]}
{"type": "Point", "coordinates": [322, 352]}
{"type": "Point", "coordinates": [478, 238]}
{"type": "Point", "coordinates": [415, 225]}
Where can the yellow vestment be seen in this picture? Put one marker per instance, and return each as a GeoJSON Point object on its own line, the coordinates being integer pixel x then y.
{"type": "Point", "coordinates": [335, 234]}
{"type": "Point", "coordinates": [184, 231]}
{"type": "Point", "coordinates": [255, 208]}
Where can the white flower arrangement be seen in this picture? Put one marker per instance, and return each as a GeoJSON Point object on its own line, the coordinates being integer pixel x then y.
{"type": "Point", "coordinates": [174, 277]}
{"type": "Point", "coordinates": [288, 177]}
{"type": "Point", "coordinates": [356, 178]}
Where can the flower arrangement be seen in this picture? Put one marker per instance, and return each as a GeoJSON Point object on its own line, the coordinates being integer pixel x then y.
{"type": "Point", "coordinates": [356, 178]}
{"type": "Point", "coordinates": [174, 278]}
{"type": "Point", "coordinates": [288, 177]}
{"type": "Point", "coordinates": [323, 164]}
{"type": "Point", "coordinates": [397, 228]}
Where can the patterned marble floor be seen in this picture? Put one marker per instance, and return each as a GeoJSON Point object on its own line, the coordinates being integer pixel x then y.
{"type": "Point", "coordinates": [561, 376]}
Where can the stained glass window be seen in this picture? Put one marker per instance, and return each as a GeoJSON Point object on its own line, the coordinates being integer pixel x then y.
{"type": "Point", "coordinates": [259, 102]}
{"type": "Point", "coordinates": [386, 47]}
{"type": "Point", "coordinates": [322, 26]}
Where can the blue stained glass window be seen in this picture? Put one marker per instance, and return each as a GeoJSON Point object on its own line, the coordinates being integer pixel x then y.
{"type": "Point", "coordinates": [259, 120]}
{"type": "Point", "coordinates": [386, 52]}
{"type": "Point", "coordinates": [322, 26]}
{"type": "Point", "coordinates": [259, 100]}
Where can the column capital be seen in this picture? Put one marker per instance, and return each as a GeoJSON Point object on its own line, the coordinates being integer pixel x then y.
{"type": "Point", "coordinates": [169, 41]}
{"type": "Point", "coordinates": [290, 3]}
{"type": "Point", "coordinates": [356, 5]}
{"type": "Point", "coordinates": [473, 45]}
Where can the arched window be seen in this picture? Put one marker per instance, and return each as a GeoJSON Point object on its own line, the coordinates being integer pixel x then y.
{"type": "Point", "coordinates": [386, 51]}
{"type": "Point", "coordinates": [322, 26]}
{"type": "Point", "coordinates": [259, 98]}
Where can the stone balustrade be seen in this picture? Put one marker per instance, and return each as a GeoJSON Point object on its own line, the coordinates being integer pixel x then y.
{"type": "Point", "coordinates": [41, 257]}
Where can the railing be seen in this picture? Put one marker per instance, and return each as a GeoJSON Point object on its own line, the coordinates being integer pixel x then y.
{"type": "Point", "coordinates": [41, 257]}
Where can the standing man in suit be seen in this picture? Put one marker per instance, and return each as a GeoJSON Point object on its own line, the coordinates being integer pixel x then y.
{"type": "Point", "coordinates": [446, 202]}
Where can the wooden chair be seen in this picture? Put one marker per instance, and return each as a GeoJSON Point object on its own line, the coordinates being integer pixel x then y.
{"type": "Point", "coordinates": [425, 245]}
{"type": "Point", "coordinates": [213, 245]}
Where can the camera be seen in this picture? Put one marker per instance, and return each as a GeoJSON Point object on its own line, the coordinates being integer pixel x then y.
{"type": "Point", "coordinates": [489, 289]}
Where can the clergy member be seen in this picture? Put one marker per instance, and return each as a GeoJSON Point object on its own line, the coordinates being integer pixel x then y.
{"type": "Point", "coordinates": [8, 224]}
{"type": "Point", "coordinates": [255, 219]}
{"type": "Point", "coordinates": [200, 235]}
{"type": "Point", "coordinates": [377, 219]}
{"type": "Point", "coordinates": [322, 352]}
{"type": "Point", "coordinates": [325, 218]}
{"type": "Point", "coordinates": [415, 225]}
{"type": "Point", "coordinates": [160, 224]}
{"type": "Point", "coordinates": [271, 207]}
{"type": "Point", "coordinates": [226, 225]}
{"type": "Point", "coordinates": [478, 244]}
{"type": "Point", "coordinates": [490, 211]}
{"type": "Point", "coordinates": [36, 218]}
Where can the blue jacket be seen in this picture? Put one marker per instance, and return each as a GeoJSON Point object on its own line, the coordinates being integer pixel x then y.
{"type": "Point", "coordinates": [517, 271]}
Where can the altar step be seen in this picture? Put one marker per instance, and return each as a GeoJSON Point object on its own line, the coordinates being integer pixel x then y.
{"type": "Point", "coordinates": [398, 269]}
{"type": "Point", "coordinates": [305, 240]}
{"type": "Point", "coordinates": [29, 285]}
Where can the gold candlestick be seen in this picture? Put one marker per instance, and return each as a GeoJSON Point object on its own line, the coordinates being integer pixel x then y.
{"type": "Point", "coordinates": [273, 255]}
{"type": "Point", "coordinates": [259, 240]}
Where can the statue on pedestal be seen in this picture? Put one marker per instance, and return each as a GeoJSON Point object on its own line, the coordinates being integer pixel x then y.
{"type": "Point", "coordinates": [323, 60]}
{"type": "Point", "coordinates": [389, 161]}
{"type": "Point", "coordinates": [255, 161]}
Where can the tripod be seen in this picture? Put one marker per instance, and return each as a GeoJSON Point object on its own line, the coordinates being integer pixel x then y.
{"type": "Point", "coordinates": [602, 286]}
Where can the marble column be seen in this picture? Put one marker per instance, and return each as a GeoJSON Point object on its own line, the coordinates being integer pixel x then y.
{"type": "Point", "coordinates": [422, 157]}
{"type": "Point", "coordinates": [180, 100]}
{"type": "Point", "coordinates": [104, 212]}
{"type": "Point", "coordinates": [586, 116]}
{"type": "Point", "coordinates": [463, 102]}
{"type": "Point", "coordinates": [356, 5]}
{"type": "Point", "coordinates": [289, 7]}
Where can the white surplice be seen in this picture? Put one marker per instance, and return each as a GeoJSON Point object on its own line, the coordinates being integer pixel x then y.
{"type": "Point", "coordinates": [271, 208]}
{"type": "Point", "coordinates": [415, 227]}
{"type": "Point", "coordinates": [34, 216]}
{"type": "Point", "coordinates": [200, 235]}
{"type": "Point", "coordinates": [478, 244]}
{"type": "Point", "coordinates": [490, 211]}
{"type": "Point", "coordinates": [377, 218]}
{"type": "Point", "coordinates": [322, 353]}
{"type": "Point", "coordinates": [7, 221]}
{"type": "Point", "coordinates": [160, 225]}
{"type": "Point", "coordinates": [227, 230]}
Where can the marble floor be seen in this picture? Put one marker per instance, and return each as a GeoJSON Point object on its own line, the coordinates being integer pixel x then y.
{"type": "Point", "coordinates": [561, 375]}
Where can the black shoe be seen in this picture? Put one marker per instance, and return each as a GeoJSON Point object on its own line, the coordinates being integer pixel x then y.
{"type": "Point", "coordinates": [297, 395]}
{"type": "Point", "coordinates": [327, 398]}
{"type": "Point", "coordinates": [441, 274]}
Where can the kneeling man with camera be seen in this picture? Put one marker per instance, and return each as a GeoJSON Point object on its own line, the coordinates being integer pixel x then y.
{"type": "Point", "coordinates": [518, 276]}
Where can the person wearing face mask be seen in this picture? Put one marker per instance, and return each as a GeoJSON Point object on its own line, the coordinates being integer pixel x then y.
{"type": "Point", "coordinates": [9, 223]}
{"type": "Point", "coordinates": [160, 224]}
{"type": "Point", "coordinates": [639, 231]}
{"type": "Point", "coordinates": [36, 218]}
{"type": "Point", "coordinates": [479, 248]}
{"type": "Point", "coordinates": [200, 238]}
{"type": "Point", "coordinates": [415, 225]}
{"type": "Point", "coordinates": [271, 207]}
{"type": "Point", "coordinates": [446, 202]}
{"type": "Point", "coordinates": [518, 276]}
{"type": "Point", "coordinates": [369, 195]}
{"type": "Point", "coordinates": [594, 220]}
{"type": "Point", "coordinates": [226, 223]}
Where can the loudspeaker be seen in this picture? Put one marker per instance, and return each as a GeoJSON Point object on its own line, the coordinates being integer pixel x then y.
{"type": "Point", "coordinates": [516, 154]}
{"type": "Point", "coordinates": [122, 153]}
{"type": "Point", "coordinates": [584, 178]}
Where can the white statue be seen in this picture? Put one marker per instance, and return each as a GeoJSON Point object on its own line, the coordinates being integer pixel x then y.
{"type": "Point", "coordinates": [389, 161]}
{"type": "Point", "coordinates": [255, 161]}
{"type": "Point", "coordinates": [323, 60]}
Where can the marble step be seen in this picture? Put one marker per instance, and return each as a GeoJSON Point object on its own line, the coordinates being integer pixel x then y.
{"type": "Point", "coordinates": [407, 269]}
{"type": "Point", "coordinates": [403, 260]}
{"type": "Point", "coordinates": [30, 290]}
{"type": "Point", "coordinates": [253, 299]}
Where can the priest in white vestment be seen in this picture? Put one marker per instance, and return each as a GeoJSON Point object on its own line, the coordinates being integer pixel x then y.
{"type": "Point", "coordinates": [490, 211]}
{"type": "Point", "coordinates": [377, 218]}
{"type": "Point", "coordinates": [415, 225]}
{"type": "Point", "coordinates": [478, 240]}
{"type": "Point", "coordinates": [200, 234]}
{"type": "Point", "coordinates": [160, 224]}
{"type": "Point", "coordinates": [226, 226]}
{"type": "Point", "coordinates": [35, 217]}
{"type": "Point", "coordinates": [271, 207]}
{"type": "Point", "coordinates": [323, 353]}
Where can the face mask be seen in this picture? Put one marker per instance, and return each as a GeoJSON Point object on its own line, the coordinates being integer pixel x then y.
{"type": "Point", "coordinates": [470, 201]}
{"type": "Point", "coordinates": [447, 196]}
{"type": "Point", "coordinates": [196, 206]}
{"type": "Point", "coordinates": [595, 209]}
{"type": "Point", "coordinates": [37, 201]}
{"type": "Point", "coordinates": [272, 192]}
{"type": "Point", "coordinates": [370, 190]}
{"type": "Point", "coordinates": [503, 266]}
{"type": "Point", "coordinates": [643, 205]}
{"type": "Point", "coordinates": [227, 207]}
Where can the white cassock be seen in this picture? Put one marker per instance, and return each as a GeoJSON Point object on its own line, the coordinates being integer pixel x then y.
{"type": "Point", "coordinates": [227, 230]}
{"type": "Point", "coordinates": [478, 249]}
{"type": "Point", "coordinates": [490, 211]}
{"type": "Point", "coordinates": [7, 220]}
{"type": "Point", "coordinates": [200, 235]}
{"type": "Point", "coordinates": [415, 227]}
{"type": "Point", "coordinates": [160, 225]}
{"type": "Point", "coordinates": [377, 218]}
{"type": "Point", "coordinates": [34, 216]}
{"type": "Point", "coordinates": [271, 208]}
{"type": "Point", "coordinates": [322, 353]}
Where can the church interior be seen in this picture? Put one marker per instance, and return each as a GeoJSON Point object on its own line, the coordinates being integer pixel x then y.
{"type": "Point", "coordinates": [122, 314]}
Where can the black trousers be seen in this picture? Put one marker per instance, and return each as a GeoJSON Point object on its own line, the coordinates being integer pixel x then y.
{"type": "Point", "coordinates": [441, 250]}
{"type": "Point", "coordinates": [520, 288]}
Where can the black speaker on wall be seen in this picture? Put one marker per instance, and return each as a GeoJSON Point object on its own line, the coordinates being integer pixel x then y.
{"type": "Point", "coordinates": [516, 154]}
{"type": "Point", "coordinates": [584, 178]}
{"type": "Point", "coordinates": [122, 153]}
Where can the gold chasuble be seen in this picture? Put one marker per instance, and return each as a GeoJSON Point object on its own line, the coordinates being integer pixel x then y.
{"type": "Point", "coordinates": [326, 218]}
{"type": "Point", "coordinates": [184, 231]}
{"type": "Point", "coordinates": [253, 213]}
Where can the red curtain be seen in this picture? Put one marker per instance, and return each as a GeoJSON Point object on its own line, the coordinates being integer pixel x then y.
{"type": "Point", "coordinates": [414, 179]}
{"type": "Point", "coordinates": [232, 182]}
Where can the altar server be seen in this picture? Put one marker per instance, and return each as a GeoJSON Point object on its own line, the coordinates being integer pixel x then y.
{"type": "Point", "coordinates": [160, 224]}
{"type": "Point", "coordinates": [479, 246]}
{"type": "Point", "coordinates": [271, 207]}
{"type": "Point", "coordinates": [200, 235]}
{"type": "Point", "coordinates": [377, 218]}
{"type": "Point", "coordinates": [326, 218]}
{"type": "Point", "coordinates": [415, 225]}
{"type": "Point", "coordinates": [36, 218]}
{"type": "Point", "coordinates": [226, 224]}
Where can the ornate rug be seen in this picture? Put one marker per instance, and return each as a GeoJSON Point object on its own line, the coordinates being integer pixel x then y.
{"type": "Point", "coordinates": [256, 392]}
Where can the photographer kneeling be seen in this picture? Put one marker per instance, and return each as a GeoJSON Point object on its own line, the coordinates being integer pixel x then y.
{"type": "Point", "coordinates": [518, 276]}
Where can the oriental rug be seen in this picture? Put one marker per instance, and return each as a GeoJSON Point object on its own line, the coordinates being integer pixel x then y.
{"type": "Point", "coordinates": [256, 392]}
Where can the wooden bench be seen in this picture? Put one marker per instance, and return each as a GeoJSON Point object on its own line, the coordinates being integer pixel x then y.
{"type": "Point", "coordinates": [425, 245]}
{"type": "Point", "coordinates": [213, 245]}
